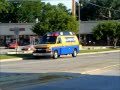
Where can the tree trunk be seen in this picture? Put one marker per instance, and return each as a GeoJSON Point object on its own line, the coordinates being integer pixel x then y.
{"type": "Point", "coordinates": [108, 40]}
{"type": "Point", "coordinates": [115, 42]}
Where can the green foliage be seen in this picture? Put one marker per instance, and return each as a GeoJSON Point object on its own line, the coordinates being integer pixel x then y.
{"type": "Point", "coordinates": [51, 17]}
{"type": "Point", "coordinates": [6, 11]}
{"type": "Point", "coordinates": [55, 18]}
{"type": "Point", "coordinates": [110, 5]}
{"type": "Point", "coordinates": [3, 5]}
{"type": "Point", "coordinates": [60, 5]}
{"type": "Point", "coordinates": [117, 31]}
{"type": "Point", "coordinates": [99, 9]}
{"type": "Point", "coordinates": [108, 29]}
{"type": "Point", "coordinates": [28, 11]}
{"type": "Point", "coordinates": [20, 11]}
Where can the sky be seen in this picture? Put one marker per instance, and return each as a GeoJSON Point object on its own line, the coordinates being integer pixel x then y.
{"type": "Point", "coordinates": [67, 3]}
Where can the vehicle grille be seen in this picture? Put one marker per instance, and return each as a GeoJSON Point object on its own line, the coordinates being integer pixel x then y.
{"type": "Point", "coordinates": [41, 50]}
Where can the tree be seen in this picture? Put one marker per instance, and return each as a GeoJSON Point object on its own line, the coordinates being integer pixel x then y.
{"type": "Point", "coordinates": [3, 9]}
{"type": "Point", "coordinates": [12, 14]}
{"type": "Point", "coordinates": [55, 18]}
{"type": "Point", "coordinates": [21, 11]}
{"type": "Point", "coordinates": [109, 10]}
{"type": "Point", "coordinates": [3, 5]}
{"type": "Point", "coordinates": [116, 34]}
{"type": "Point", "coordinates": [100, 9]}
{"type": "Point", "coordinates": [109, 30]}
{"type": "Point", "coordinates": [60, 5]}
{"type": "Point", "coordinates": [29, 11]}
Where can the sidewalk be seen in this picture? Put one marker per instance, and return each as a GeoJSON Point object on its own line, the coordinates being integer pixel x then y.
{"type": "Point", "coordinates": [2, 47]}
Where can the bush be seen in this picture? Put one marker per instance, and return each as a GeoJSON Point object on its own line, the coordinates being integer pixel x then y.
{"type": "Point", "coordinates": [109, 30]}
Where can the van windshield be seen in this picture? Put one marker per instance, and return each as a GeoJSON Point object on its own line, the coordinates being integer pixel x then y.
{"type": "Point", "coordinates": [48, 40]}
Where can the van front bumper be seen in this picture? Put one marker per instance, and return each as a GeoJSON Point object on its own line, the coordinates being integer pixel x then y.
{"type": "Point", "coordinates": [42, 54]}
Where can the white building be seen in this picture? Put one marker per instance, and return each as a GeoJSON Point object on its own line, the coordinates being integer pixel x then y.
{"type": "Point", "coordinates": [6, 35]}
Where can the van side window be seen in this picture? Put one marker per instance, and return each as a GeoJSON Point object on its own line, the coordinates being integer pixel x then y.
{"type": "Point", "coordinates": [59, 41]}
{"type": "Point", "coordinates": [70, 39]}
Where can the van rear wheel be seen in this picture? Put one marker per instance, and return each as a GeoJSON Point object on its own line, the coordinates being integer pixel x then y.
{"type": "Point", "coordinates": [55, 55]}
{"type": "Point", "coordinates": [74, 54]}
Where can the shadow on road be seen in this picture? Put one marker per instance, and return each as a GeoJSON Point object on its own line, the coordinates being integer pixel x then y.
{"type": "Point", "coordinates": [57, 81]}
{"type": "Point", "coordinates": [31, 57]}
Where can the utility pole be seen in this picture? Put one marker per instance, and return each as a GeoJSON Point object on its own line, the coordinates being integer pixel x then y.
{"type": "Point", "coordinates": [73, 7]}
{"type": "Point", "coordinates": [79, 19]}
{"type": "Point", "coordinates": [74, 12]}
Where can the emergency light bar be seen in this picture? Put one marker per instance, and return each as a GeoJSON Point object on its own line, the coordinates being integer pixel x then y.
{"type": "Point", "coordinates": [60, 33]}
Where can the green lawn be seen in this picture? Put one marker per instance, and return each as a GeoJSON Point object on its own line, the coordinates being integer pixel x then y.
{"type": "Point", "coordinates": [9, 56]}
{"type": "Point", "coordinates": [98, 50]}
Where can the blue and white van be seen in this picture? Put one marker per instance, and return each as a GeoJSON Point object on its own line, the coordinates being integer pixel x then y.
{"type": "Point", "coordinates": [56, 44]}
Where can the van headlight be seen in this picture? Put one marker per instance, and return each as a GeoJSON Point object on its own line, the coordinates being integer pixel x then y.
{"type": "Point", "coordinates": [48, 49]}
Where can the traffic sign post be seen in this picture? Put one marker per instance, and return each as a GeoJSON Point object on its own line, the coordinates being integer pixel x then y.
{"type": "Point", "coordinates": [17, 32]}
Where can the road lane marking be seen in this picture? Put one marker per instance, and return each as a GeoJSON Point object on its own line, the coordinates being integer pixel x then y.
{"type": "Point", "coordinates": [99, 69]}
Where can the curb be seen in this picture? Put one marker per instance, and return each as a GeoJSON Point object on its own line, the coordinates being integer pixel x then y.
{"type": "Point", "coordinates": [13, 59]}
{"type": "Point", "coordinates": [102, 52]}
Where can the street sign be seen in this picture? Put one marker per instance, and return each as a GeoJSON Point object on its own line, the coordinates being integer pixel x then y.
{"type": "Point", "coordinates": [16, 31]}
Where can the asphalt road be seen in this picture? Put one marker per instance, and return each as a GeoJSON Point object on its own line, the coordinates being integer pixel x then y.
{"type": "Point", "coordinates": [79, 64]}
{"type": "Point", "coordinates": [94, 70]}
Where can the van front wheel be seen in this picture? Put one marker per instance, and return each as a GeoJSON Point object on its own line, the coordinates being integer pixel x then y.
{"type": "Point", "coordinates": [55, 55]}
{"type": "Point", "coordinates": [74, 54]}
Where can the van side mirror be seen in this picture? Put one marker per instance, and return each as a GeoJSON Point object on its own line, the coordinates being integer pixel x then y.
{"type": "Point", "coordinates": [58, 42]}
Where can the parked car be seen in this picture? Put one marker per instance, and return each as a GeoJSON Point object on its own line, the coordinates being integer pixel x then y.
{"type": "Point", "coordinates": [13, 45]}
{"type": "Point", "coordinates": [28, 48]}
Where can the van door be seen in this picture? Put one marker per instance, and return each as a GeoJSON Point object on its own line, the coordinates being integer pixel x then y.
{"type": "Point", "coordinates": [65, 47]}
{"type": "Point", "coordinates": [62, 49]}
{"type": "Point", "coordinates": [68, 46]}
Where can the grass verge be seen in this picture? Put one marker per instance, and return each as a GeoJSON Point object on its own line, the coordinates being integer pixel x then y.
{"type": "Point", "coordinates": [98, 50]}
{"type": "Point", "coordinates": [10, 56]}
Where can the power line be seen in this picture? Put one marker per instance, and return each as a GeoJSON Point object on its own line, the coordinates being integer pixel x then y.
{"type": "Point", "coordinates": [104, 7]}
{"type": "Point", "coordinates": [101, 6]}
